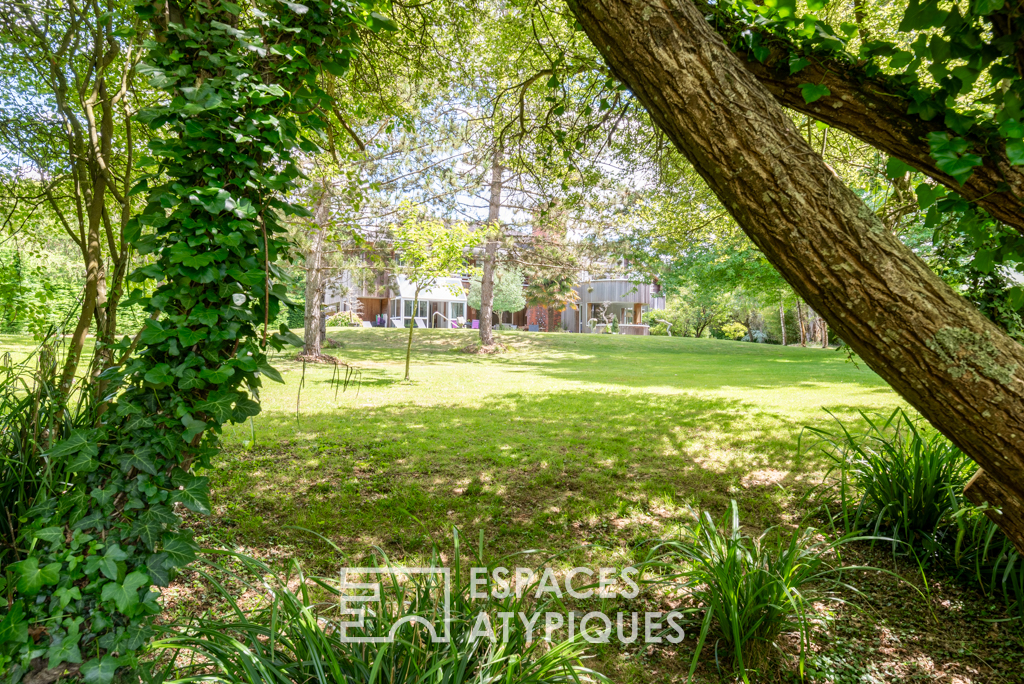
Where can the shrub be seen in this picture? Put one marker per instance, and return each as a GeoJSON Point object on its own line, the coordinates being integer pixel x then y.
{"type": "Point", "coordinates": [897, 478]}
{"type": "Point", "coordinates": [294, 637]}
{"type": "Point", "coordinates": [659, 329]}
{"type": "Point", "coordinates": [733, 331]}
{"type": "Point", "coordinates": [750, 589]}
{"type": "Point", "coordinates": [904, 479]}
{"type": "Point", "coordinates": [345, 318]}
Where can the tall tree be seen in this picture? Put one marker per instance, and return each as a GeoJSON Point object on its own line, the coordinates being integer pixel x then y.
{"type": "Point", "coordinates": [957, 368]}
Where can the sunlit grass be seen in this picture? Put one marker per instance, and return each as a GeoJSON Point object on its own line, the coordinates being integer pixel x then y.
{"type": "Point", "coordinates": [566, 440]}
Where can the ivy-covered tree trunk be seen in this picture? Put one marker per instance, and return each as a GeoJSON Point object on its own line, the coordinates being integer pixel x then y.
{"type": "Point", "coordinates": [241, 96]}
{"type": "Point", "coordinates": [490, 252]}
{"type": "Point", "coordinates": [956, 367]}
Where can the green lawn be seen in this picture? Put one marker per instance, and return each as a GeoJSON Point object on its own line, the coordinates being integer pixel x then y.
{"type": "Point", "coordinates": [583, 446]}
{"type": "Point", "coordinates": [568, 439]}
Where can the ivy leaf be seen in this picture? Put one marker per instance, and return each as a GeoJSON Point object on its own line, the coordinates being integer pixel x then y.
{"type": "Point", "coordinates": [928, 194]}
{"type": "Point", "coordinates": [31, 578]}
{"type": "Point", "coordinates": [1015, 152]}
{"type": "Point", "coordinates": [150, 525]}
{"type": "Point", "coordinates": [218, 375]}
{"type": "Point", "coordinates": [985, 7]}
{"type": "Point", "coordinates": [64, 650]}
{"type": "Point", "coordinates": [1015, 299]}
{"type": "Point", "coordinates": [78, 442]}
{"type": "Point", "coordinates": [49, 534]}
{"type": "Point", "coordinates": [99, 670]}
{"type": "Point", "coordinates": [949, 156]}
{"type": "Point", "coordinates": [895, 169]}
{"type": "Point", "coordinates": [138, 458]}
{"type": "Point", "coordinates": [797, 63]}
{"type": "Point", "coordinates": [286, 336]}
{"type": "Point", "coordinates": [160, 374]}
{"type": "Point", "coordinates": [922, 14]}
{"type": "Point", "coordinates": [984, 260]}
{"type": "Point", "coordinates": [180, 551]}
{"type": "Point", "coordinates": [813, 93]}
{"type": "Point", "coordinates": [244, 408]}
{"type": "Point", "coordinates": [188, 336]}
{"type": "Point", "coordinates": [14, 627]}
{"type": "Point", "coordinates": [219, 405]}
{"type": "Point", "coordinates": [194, 493]}
{"type": "Point", "coordinates": [270, 371]}
{"type": "Point", "coordinates": [126, 595]}
{"type": "Point", "coordinates": [157, 567]}
{"type": "Point", "coordinates": [193, 428]}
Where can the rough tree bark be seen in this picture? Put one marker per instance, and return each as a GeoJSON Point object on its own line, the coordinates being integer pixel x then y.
{"type": "Point", "coordinates": [490, 252]}
{"type": "Point", "coordinates": [953, 365]}
{"type": "Point", "coordinates": [316, 277]}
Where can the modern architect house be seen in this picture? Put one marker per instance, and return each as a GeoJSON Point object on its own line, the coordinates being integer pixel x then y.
{"type": "Point", "coordinates": [388, 300]}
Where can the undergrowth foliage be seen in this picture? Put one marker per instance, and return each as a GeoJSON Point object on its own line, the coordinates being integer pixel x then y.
{"type": "Point", "coordinates": [241, 94]}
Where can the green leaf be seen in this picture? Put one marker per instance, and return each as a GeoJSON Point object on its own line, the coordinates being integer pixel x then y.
{"type": "Point", "coordinates": [14, 627]}
{"type": "Point", "coordinates": [31, 578]}
{"type": "Point", "coordinates": [797, 63]}
{"type": "Point", "coordinates": [922, 14]}
{"type": "Point", "coordinates": [1015, 152]}
{"type": "Point", "coordinates": [286, 336]}
{"type": "Point", "coordinates": [159, 374]}
{"type": "Point", "coordinates": [193, 428]}
{"type": "Point", "coordinates": [138, 458]}
{"type": "Point", "coordinates": [150, 525]}
{"type": "Point", "coordinates": [99, 670]}
{"type": "Point", "coordinates": [950, 157]}
{"type": "Point", "coordinates": [180, 551]}
{"type": "Point", "coordinates": [1015, 298]}
{"type": "Point", "coordinates": [78, 442]}
{"type": "Point", "coordinates": [125, 595]}
{"type": "Point", "coordinates": [244, 408]}
{"type": "Point", "coordinates": [895, 169]}
{"type": "Point", "coordinates": [270, 371]}
{"type": "Point", "coordinates": [188, 336]}
{"type": "Point", "coordinates": [985, 7]}
{"type": "Point", "coordinates": [64, 650]}
{"type": "Point", "coordinates": [219, 405]}
{"type": "Point", "coordinates": [813, 93]}
{"type": "Point", "coordinates": [928, 194]}
{"type": "Point", "coordinates": [194, 493]}
{"type": "Point", "coordinates": [49, 534]}
{"type": "Point", "coordinates": [984, 260]}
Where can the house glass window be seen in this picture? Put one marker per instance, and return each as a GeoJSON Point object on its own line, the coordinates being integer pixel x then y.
{"type": "Point", "coordinates": [408, 308]}
{"type": "Point", "coordinates": [458, 309]}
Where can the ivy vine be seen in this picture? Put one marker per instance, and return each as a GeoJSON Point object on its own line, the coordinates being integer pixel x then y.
{"type": "Point", "coordinates": [242, 96]}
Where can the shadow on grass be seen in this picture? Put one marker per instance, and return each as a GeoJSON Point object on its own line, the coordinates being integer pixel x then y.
{"type": "Point", "coordinates": [555, 470]}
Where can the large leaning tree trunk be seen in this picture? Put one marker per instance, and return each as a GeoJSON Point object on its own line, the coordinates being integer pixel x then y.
{"type": "Point", "coordinates": [490, 252]}
{"type": "Point", "coordinates": [953, 365]}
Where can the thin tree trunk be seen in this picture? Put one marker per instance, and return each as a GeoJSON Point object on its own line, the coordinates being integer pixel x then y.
{"type": "Point", "coordinates": [800, 319]}
{"type": "Point", "coordinates": [782, 321]}
{"type": "Point", "coordinates": [93, 275]}
{"type": "Point", "coordinates": [490, 251]}
{"type": "Point", "coordinates": [315, 278]}
{"type": "Point", "coordinates": [412, 324]}
{"type": "Point", "coordinates": [824, 333]}
{"type": "Point", "coordinates": [933, 347]}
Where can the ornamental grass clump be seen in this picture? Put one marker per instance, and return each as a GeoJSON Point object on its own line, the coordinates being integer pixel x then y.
{"type": "Point", "coordinates": [749, 590]}
{"type": "Point", "coordinates": [898, 478]}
